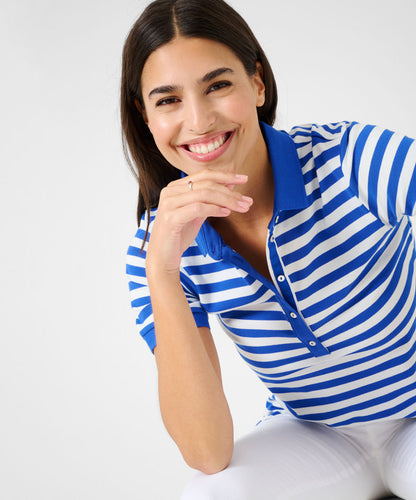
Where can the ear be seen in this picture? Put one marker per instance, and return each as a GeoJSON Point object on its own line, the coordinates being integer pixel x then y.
{"type": "Point", "coordinates": [141, 110]}
{"type": "Point", "coordinates": [259, 85]}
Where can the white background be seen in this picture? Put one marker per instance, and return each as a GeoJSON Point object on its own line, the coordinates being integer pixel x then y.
{"type": "Point", "coordinates": [79, 415]}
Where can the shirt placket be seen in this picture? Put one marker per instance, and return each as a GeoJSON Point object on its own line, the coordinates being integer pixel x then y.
{"type": "Point", "coordinates": [288, 302]}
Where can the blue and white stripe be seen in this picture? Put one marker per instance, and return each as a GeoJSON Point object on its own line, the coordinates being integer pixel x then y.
{"type": "Point", "coordinates": [333, 337]}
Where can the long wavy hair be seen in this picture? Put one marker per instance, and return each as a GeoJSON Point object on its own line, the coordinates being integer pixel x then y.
{"type": "Point", "coordinates": [160, 22]}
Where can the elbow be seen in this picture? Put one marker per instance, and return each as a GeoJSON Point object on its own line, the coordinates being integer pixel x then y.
{"type": "Point", "coordinates": [209, 461]}
{"type": "Point", "coordinates": [210, 465]}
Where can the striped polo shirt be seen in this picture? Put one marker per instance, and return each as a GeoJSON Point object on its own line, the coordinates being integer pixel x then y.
{"type": "Point", "coordinates": [332, 336]}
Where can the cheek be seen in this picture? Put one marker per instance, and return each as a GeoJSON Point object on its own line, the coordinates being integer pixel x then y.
{"type": "Point", "coordinates": [242, 108]}
{"type": "Point", "coordinates": [162, 130]}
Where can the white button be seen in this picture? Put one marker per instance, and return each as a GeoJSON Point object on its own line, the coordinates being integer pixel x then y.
{"type": "Point", "coordinates": [280, 278]}
{"type": "Point", "coordinates": [272, 238]}
{"type": "Point", "coordinates": [312, 343]}
{"type": "Point", "coordinates": [293, 315]}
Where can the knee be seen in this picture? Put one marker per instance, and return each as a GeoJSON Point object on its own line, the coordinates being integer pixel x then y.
{"type": "Point", "coordinates": [400, 462]}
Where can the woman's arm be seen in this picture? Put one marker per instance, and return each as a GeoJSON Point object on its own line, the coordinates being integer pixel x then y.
{"type": "Point", "coordinates": [192, 401]}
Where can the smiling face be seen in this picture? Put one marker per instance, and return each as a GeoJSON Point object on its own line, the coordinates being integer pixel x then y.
{"type": "Point", "coordinates": [200, 106]}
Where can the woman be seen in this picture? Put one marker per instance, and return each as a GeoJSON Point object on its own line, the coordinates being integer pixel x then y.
{"type": "Point", "coordinates": [300, 243]}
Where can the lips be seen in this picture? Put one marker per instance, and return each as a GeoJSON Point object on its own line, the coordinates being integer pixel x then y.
{"type": "Point", "coordinates": [208, 149]}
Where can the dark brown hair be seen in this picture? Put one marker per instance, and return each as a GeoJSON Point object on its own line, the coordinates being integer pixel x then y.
{"type": "Point", "coordinates": [160, 22]}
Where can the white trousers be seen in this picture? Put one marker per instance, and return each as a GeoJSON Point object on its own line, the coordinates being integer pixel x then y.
{"type": "Point", "coordinates": [288, 459]}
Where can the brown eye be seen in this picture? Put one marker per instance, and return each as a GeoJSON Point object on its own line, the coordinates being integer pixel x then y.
{"type": "Point", "coordinates": [167, 100]}
{"type": "Point", "coordinates": [218, 85]}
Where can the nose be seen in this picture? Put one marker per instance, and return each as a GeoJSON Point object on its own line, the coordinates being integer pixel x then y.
{"type": "Point", "coordinates": [199, 115]}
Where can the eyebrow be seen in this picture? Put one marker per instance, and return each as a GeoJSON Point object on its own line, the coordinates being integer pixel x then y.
{"type": "Point", "coordinates": [216, 72]}
{"type": "Point", "coordinates": [167, 89]}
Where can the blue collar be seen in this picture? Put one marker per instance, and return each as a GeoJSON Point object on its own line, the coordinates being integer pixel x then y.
{"type": "Point", "coordinates": [289, 187]}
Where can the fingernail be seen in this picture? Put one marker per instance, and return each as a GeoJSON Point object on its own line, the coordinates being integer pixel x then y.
{"type": "Point", "coordinates": [244, 204]}
{"type": "Point", "coordinates": [247, 199]}
{"type": "Point", "coordinates": [240, 176]}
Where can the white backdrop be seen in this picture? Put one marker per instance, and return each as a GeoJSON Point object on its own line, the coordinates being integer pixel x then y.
{"type": "Point", "coordinates": [79, 412]}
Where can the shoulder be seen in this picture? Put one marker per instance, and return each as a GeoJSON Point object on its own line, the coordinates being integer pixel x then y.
{"type": "Point", "coordinates": [347, 133]}
{"type": "Point", "coordinates": [136, 252]}
{"type": "Point", "coordinates": [145, 226]}
{"type": "Point", "coordinates": [348, 139]}
{"type": "Point", "coordinates": [320, 132]}
{"type": "Point", "coordinates": [321, 141]}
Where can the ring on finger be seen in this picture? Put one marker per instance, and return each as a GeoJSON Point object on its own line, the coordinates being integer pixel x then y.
{"type": "Point", "coordinates": [190, 185]}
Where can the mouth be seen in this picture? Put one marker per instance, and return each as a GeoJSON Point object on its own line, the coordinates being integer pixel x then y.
{"type": "Point", "coordinates": [206, 147]}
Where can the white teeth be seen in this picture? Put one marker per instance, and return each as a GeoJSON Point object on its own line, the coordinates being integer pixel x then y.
{"type": "Point", "coordinates": [203, 149]}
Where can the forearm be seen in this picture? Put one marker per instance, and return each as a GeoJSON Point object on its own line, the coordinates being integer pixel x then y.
{"type": "Point", "coordinates": [192, 401]}
{"type": "Point", "coordinates": [193, 405]}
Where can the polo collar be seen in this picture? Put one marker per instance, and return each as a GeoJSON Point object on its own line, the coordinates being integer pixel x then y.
{"type": "Point", "coordinates": [289, 187]}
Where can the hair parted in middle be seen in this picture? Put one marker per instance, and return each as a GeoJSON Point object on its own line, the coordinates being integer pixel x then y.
{"type": "Point", "coordinates": [160, 23]}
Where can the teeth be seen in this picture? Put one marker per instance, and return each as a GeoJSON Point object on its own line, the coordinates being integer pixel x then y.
{"type": "Point", "coordinates": [203, 149]}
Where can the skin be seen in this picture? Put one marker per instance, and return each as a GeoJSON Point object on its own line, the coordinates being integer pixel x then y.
{"type": "Point", "coordinates": [198, 97]}
{"type": "Point", "coordinates": [198, 110]}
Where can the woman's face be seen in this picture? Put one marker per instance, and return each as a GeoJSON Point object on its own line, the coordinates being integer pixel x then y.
{"type": "Point", "coordinates": [200, 106]}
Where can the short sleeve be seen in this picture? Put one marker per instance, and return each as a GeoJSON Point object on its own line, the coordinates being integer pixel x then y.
{"type": "Point", "coordinates": [380, 166]}
{"type": "Point", "coordinates": [139, 290]}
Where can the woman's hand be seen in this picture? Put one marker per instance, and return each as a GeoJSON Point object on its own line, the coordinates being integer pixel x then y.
{"type": "Point", "coordinates": [183, 207]}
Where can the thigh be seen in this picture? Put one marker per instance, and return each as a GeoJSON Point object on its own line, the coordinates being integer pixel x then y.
{"type": "Point", "coordinates": [399, 461]}
{"type": "Point", "coordinates": [284, 458]}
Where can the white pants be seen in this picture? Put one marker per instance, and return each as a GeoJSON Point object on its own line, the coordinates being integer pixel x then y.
{"type": "Point", "coordinates": [289, 459]}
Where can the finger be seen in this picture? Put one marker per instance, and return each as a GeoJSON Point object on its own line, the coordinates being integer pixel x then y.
{"type": "Point", "coordinates": [213, 176]}
{"type": "Point", "coordinates": [219, 177]}
{"type": "Point", "coordinates": [200, 185]}
{"type": "Point", "coordinates": [204, 190]}
{"type": "Point", "coordinates": [188, 213]}
{"type": "Point", "coordinates": [212, 195]}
